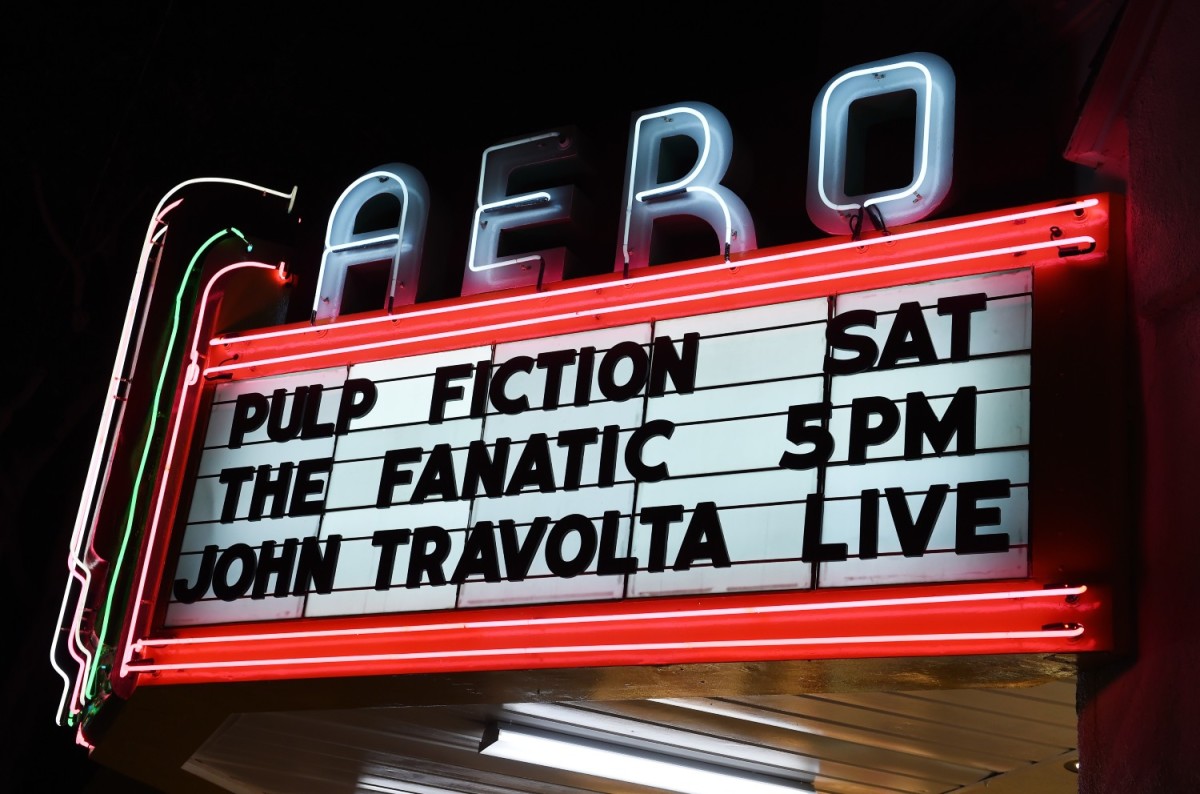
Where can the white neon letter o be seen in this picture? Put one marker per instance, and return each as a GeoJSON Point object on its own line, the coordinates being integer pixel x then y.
{"type": "Point", "coordinates": [932, 80]}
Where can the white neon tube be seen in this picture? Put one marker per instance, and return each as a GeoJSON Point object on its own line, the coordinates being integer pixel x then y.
{"type": "Point", "coordinates": [680, 183]}
{"type": "Point", "coordinates": [677, 614]}
{"type": "Point", "coordinates": [530, 198]}
{"type": "Point", "coordinates": [108, 430]}
{"type": "Point", "coordinates": [691, 175]}
{"type": "Point", "coordinates": [653, 276]}
{"type": "Point", "coordinates": [397, 237]}
{"type": "Point", "coordinates": [481, 206]}
{"type": "Point", "coordinates": [924, 134]}
{"type": "Point", "coordinates": [1071, 631]}
{"type": "Point", "coordinates": [191, 378]}
{"type": "Point", "coordinates": [699, 296]}
{"type": "Point", "coordinates": [614, 762]}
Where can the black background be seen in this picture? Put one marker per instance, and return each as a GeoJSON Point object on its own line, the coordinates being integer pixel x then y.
{"type": "Point", "coordinates": [106, 107]}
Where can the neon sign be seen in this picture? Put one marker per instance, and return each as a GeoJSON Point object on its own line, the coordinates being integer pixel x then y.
{"type": "Point", "coordinates": [831, 201]}
{"type": "Point", "coordinates": [743, 429]}
{"type": "Point", "coordinates": [651, 194]}
{"type": "Point", "coordinates": [429, 466]}
{"type": "Point", "coordinates": [396, 186]}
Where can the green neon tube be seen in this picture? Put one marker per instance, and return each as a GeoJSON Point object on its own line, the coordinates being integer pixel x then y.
{"type": "Point", "coordinates": [106, 615]}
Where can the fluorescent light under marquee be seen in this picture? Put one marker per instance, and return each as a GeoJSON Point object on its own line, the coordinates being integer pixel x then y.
{"type": "Point", "coordinates": [614, 762]}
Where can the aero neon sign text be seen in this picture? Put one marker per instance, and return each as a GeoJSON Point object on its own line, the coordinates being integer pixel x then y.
{"type": "Point", "coordinates": [837, 197]}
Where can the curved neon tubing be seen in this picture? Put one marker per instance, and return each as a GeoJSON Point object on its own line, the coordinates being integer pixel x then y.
{"type": "Point", "coordinates": [192, 376]}
{"type": "Point", "coordinates": [924, 135]}
{"type": "Point", "coordinates": [700, 161]}
{"type": "Point", "coordinates": [107, 431]}
{"type": "Point", "coordinates": [398, 236]}
{"type": "Point", "coordinates": [724, 211]}
{"type": "Point", "coordinates": [106, 613]}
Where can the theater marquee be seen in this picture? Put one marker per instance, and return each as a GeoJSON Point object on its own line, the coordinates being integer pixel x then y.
{"type": "Point", "coordinates": [874, 437]}
{"type": "Point", "coordinates": [823, 451]}
{"type": "Point", "coordinates": [889, 443]}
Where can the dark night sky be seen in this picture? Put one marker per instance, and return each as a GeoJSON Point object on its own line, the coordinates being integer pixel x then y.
{"type": "Point", "coordinates": [106, 106]}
